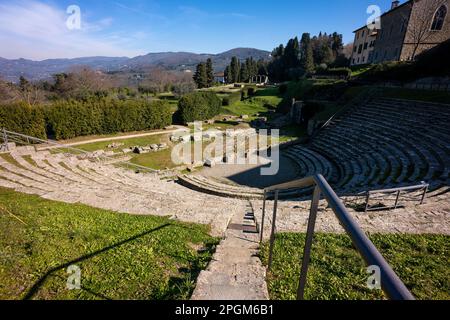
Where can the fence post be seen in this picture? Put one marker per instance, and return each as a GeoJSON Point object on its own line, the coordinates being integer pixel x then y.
{"type": "Point", "coordinates": [308, 243]}
{"type": "Point", "coordinates": [263, 217]}
{"type": "Point", "coordinates": [272, 235]}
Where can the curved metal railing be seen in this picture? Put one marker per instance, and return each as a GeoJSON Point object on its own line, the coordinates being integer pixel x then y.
{"type": "Point", "coordinates": [391, 284]}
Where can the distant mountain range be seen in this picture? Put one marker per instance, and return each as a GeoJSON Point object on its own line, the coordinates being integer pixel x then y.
{"type": "Point", "coordinates": [11, 70]}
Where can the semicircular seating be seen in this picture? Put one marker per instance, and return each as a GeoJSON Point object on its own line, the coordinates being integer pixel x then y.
{"type": "Point", "coordinates": [388, 143]}
{"type": "Point", "coordinates": [66, 178]}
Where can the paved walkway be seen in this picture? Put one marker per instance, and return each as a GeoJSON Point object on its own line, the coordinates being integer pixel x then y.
{"type": "Point", "coordinates": [236, 273]}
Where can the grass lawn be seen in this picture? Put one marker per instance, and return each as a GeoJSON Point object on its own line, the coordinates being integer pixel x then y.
{"type": "Point", "coordinates": [291, 132]}
{"type": "Point", "coordinates": [262, 101]}
{"type": "Point", "coordinates": [140, 141]}
{"type": "Point", "coordinates": [120, 256]}
{"type": "Point", "coordinates": [337, 272]}
{"type": "Point", "coordinates": [156, 160]}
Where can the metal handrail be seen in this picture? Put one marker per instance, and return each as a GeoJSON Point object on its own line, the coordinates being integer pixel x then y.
{"type": "Point", "coordinates": [424, 186]}
{"type": "Point", "coordinates": [390, 283]}
{"type": "Point", "coordinates": [6, 135]}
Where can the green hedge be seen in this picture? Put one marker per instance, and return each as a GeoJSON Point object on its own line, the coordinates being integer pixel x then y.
{"type": "Point", "coordinates": [343, 73]}
{"type": "Point", "coordinates": [198, 106]}
{"type": "Point", "coordinates": [21, 117]}
{"type": "Point", "coordinates": [232, 98]}
{"type": "Point", "coordinates": [69, 119]}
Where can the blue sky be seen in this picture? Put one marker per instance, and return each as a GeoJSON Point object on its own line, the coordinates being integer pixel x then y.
{"type": "Point", "coordinates": [36, 29]}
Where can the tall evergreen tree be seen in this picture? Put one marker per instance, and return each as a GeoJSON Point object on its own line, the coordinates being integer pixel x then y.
{"type": "Point", "coordinates": [337, 44]}
{"type": "Point", "coordinates": [201, 77]}
{"type": "Point", "coordinates": [209, 73]}
{"type": "Point", "coordinates": [227, 75]}
{"type": "Point", "coordinates": [306, 53]}
{"type": "Point", "coordinates": [291, 54]}
{"type": "Point", "coordinates": [235, 70]}
{"type": "Point", "coordinates": [245, 72]}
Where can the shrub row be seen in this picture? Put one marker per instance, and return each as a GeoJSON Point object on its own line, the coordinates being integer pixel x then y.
{"type": "Point", "coordinates": [342, 73]}
{"type": "Point", "coordinates": [21, 117]}
{"type": "Point", "coordinates": [232, 98]}
{"type": "Point", "coordinates": [198, 106]}
{"type": "Point", "coordinates": [70, 119]}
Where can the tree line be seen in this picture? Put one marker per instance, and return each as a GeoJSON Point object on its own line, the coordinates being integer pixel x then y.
{"type": "Point", "coordinates": [299, 58]}
{"type": "Point", "coordinates": [239, 71]}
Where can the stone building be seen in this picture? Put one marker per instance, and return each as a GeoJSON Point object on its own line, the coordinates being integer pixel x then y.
{"type": "Point", "coordinates": [406, 30]}
{"type": "Point", "coordinates": [363, 45]}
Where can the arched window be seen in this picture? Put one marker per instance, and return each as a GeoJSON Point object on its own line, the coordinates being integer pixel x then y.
{"type": "Point", "coordinates": [439, 17]}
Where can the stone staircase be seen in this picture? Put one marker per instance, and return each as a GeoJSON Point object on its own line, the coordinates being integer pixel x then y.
{"type": "Point", "coordinates": [235, 273]}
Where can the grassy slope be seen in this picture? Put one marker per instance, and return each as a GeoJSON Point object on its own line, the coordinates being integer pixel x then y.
{"type": "Point", "coordinates": [141, 141]}
{"type": "Point", "coordinates": [260, 103]}
{"type": "Point", "coordinates": [121, 256]}
{"type": "Point", "coordinates": [338, 272]}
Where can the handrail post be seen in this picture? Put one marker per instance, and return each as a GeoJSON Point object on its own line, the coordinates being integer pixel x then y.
{"type": "Point", "coordinates": [308, 243]}
{"type": "Point", "coordinates": [263, 217]}
{"type": "Point", "coordinates": [367, 201]}
{"type": "Point", "coordinates": [272, 235]}
{"type": "Point", "coordinates": [397, 199]}
{"type": "Point", "coordinates": [425, 190]}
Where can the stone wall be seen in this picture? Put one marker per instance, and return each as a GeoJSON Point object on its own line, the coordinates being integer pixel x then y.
{"type": "Point", "coordinates": [391, 36]}
{"type": "Point", "coordinates": [422, 16]}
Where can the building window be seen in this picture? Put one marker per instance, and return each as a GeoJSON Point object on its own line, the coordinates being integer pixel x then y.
{"type": "Point", "coordinates": [439, 18]}
{"type": "Point", "coordinates": [354, 48]}
{"type": "Point", "coordinates": [358, 60]}
{"type": "Point", "coordinates": [360, 48]}
{"type": "Point", "coordinates": [365, 46]}
{"type": "Point", "coordinates": [364, 59]}
{"type": "Point", "coordinates": [353, 60]}
{"type": "Point", "coordinates": [363, 33]}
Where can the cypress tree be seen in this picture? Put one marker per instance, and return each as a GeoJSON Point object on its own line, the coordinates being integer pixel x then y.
{"type": "Point", "coordinates": [235, 70]}
{"type": "Point", "coordinates": [209, 73]}
{"type": "Point", "coordinates": [306, 54]}
{"type": "Point", "coordinates": [200, 76]}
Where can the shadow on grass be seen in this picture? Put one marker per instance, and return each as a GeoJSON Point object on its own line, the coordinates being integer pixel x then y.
{"type": "Point", "coordinates": [35, 288]}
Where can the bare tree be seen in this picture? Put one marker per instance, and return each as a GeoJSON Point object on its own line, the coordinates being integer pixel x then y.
{"type": "Point", "coordinates": [421, 18]}
{"type": "Point", "coordinates": [24, 91]}
{"type": "Point", "coordinates": [6, 91]}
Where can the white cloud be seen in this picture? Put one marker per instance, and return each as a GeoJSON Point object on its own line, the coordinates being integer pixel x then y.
{"type": "Point", "coordinates": [34, 30]}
